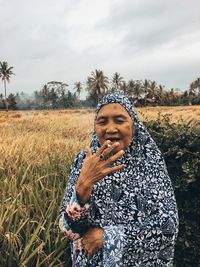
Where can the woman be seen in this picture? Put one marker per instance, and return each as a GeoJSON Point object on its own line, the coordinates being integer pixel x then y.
{"type": "Point", "coordinates": [119, 207]}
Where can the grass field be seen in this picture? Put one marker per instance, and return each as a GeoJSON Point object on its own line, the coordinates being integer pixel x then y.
{"type": "Point", "coordinates": [36, 151]}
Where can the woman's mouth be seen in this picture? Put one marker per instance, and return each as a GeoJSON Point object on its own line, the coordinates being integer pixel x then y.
{"type": "Point", "coordinates": [113, 139]}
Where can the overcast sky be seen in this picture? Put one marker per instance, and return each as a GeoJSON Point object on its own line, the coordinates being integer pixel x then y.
{"type": "Point", "coordinates": [65, 40]}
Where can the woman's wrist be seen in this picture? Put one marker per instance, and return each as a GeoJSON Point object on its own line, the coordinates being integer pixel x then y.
{"type": "Point", "coordinates": [83, 191]}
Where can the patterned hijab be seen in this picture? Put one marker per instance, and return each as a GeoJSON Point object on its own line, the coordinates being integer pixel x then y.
{"type": "Point", "coordinates": [142, 147]}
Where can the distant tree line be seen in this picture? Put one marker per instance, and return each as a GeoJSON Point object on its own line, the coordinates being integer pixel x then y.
{"type": "Point", "coordinates": [56, 95]}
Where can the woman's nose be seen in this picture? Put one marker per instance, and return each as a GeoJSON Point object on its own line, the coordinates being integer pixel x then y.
{"type": "Point", "coordinates": [111, 128]}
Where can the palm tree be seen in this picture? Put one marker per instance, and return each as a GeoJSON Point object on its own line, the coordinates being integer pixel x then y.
{"type": "Point", "coordinates": [78, 87]}
{"type": "Point", "coordinates": [160, 94]}
{"type": "Point", "coordinates": [131, 85]}
{"type": "Point", "coordinates": [116, 80]}
{"type": "Point", "coordinates": [45, 93]}
{"type": "Point", "coordinates": [197, 83]}
{"type": "Point", "coordinates": [153, 89]}
{"type": "Point", "coordinates": [166, 97]}
{"type": "Point", "coordinates": [172, 96]}
{"type": "Point", "coordinates": [97, 84]}
{"type": "Point", "coordinates": [5, 73]}
{"type": "Point", "coordinates": [138, 89]}
{"type": "Point", "coordinates": [146, 90]}
{"type": "Point", "coordinates": [124, 87]}
{"type": "Point", "coordinates": [193, 86]}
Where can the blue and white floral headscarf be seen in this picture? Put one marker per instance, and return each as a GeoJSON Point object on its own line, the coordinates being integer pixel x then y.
{"type": "Point", "coordinates": [142, 144]}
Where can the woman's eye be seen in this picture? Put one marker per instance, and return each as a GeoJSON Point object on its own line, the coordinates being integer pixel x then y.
{"type": "Point", "coordinates": [101, 122]}
{"type": "Point", "coordinates": [119, 121]}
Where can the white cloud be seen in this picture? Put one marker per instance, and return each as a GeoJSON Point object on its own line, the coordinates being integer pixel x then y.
{"type": "Point", "coordinates": [65, 40]}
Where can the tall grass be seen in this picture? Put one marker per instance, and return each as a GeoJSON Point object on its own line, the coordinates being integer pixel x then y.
{"type": "Point", "coordinates": [35, 156]}
{"type": "Point", "coordinates": [36, 151]}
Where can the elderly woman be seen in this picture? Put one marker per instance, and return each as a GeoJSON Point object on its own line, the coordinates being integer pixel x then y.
{"type": "Point", "coordinates": [119, 207]}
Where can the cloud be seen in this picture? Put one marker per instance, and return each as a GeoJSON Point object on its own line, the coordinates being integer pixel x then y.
{"type": "Point", "coordinates": [65, 40]}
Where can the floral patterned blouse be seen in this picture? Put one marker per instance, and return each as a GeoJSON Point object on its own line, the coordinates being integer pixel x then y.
{"type": "Point", "coordinates": [135, 206]}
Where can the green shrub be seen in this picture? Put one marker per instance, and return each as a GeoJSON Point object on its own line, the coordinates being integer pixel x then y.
{"type": "Point", "coordinates": [180, 145]}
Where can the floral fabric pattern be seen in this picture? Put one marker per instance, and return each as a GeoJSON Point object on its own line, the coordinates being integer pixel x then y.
{"type": "Point", "coordinates": [135, 206]}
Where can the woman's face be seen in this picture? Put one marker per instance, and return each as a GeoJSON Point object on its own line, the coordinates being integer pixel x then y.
{"type": "Point", "coordinates": [115, 124]}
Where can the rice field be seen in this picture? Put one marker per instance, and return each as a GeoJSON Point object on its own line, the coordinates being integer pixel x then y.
{"type": "Point", "coordinates": [187, 114]}
{"type": "Point", "coordinates": [36, 151]}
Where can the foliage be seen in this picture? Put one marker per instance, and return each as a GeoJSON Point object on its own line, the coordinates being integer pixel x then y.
{"type": "Point", "coordinates": [78, 88]}
{"type": "Point", "coordinates": [117, 81]}
{"type": "Point", "coordinates": [195, 87]}
{"type": "Point", "coordinates": [97, 84]}
{"type": "Point", "coordinates": [5, 74]}
{"type": "Point", "coordinates": [12, 101]}
{"type": "Point", "coordinates": [180, 145]}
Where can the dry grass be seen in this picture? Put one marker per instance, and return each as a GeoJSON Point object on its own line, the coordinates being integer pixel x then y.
{"type": "Point", "coordinates": [188, 114]}
{"type": "Point", "coordinates": [36, 151]}
{"type": "Point", "coordinates": [40, 133]}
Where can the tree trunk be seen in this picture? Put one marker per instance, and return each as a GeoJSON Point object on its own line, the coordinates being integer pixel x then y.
{"type": "Point", "coordinates": [6, 102]}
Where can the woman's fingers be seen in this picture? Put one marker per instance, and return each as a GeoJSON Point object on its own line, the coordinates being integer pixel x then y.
{"type": "Point", "coordinates": [89, 151]}
{"type": "Point", "coordinates": [96, 166]}
{"type": "Point", "coordinates": [91, 248]}
{"type": "Point", "coordinates": [92, 241]}
{"type": "Point", "coordinates": [103, 147]}
{"type": "Point", "coordinates": [113, 169]}
{"type": "Point", "coordinates": [106, 149]}
{"type": "Point", "coordinates": [116, 156]}
{"type": "Point", "coordinates": [110, 148]}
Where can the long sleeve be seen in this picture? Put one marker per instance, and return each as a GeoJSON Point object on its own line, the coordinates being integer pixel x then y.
{"type": "Point", "coordinates": [74, 213]}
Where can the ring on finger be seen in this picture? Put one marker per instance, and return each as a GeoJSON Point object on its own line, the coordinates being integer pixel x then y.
{"type": "Point", "coordinates": [102, 156]}
{"type": "Point", "coordinates": [108, 145]}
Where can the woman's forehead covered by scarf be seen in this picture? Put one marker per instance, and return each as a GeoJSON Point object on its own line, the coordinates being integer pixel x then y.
{"type": "Point", "coordinates": [142, 144]}
{"type": "Point", "coordinates": [120, 98]}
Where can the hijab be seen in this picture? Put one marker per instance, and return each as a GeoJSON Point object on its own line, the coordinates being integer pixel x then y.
{"type": "Point", "coordinates": [135, 205]}
{"type": "Point", "coordinates": [142, 147]}
{"type": "Point", "coordinates": [139, 198]}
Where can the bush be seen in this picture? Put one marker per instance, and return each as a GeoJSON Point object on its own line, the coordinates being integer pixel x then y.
{"type": "Point", "coordinates": [180, 145]}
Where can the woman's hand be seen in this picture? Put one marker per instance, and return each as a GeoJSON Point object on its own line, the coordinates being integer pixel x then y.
{"type": "Point", "coordinates": [92, 241]}
{"type": "Point", "coordinates": [95, 167]}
